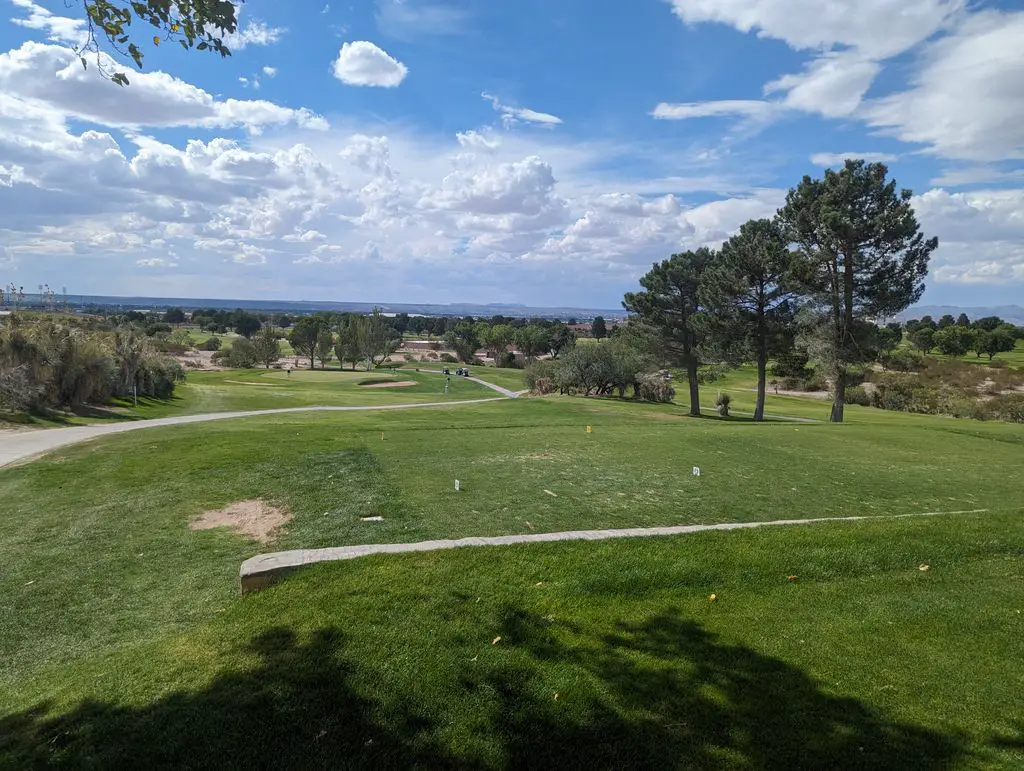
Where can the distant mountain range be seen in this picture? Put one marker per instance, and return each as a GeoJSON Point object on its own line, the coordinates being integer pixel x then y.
{"type": "Point", "coordinates": [1011, 313]}
{"type": "Point", "coordinates": [301, 306]}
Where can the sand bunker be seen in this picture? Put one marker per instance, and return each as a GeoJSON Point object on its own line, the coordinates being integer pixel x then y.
{"type": "Point", "coordinates": [254, 519]}
{"type": "Point", "coordinates": [389, 384]}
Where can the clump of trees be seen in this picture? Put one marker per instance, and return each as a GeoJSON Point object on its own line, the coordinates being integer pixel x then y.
{"type": "Point", "coordinates": [57, 363]}
{"type": "Point", "coordinates": [351, 338]}
{"type": "Point", "coordinates": [843, 251]}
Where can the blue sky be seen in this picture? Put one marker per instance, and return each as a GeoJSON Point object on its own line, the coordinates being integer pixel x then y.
{"type": "Point", "coordinates": [532, 152]}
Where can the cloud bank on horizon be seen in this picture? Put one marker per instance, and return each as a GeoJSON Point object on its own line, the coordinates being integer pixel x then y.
{"type": "Point", "coordinates": [540, 153]}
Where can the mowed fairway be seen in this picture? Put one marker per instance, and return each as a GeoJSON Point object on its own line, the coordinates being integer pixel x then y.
{"type": "Point", "coordinates": [125, 642]}
{"type": "Point", "coordinates": [262, 389]}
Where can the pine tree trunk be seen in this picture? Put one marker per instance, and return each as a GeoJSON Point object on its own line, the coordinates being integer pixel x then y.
{"type": "Point", "coordinates": [762, 366]}
{"type": "Point", "coordinates": [691, 376]}
{"type": "Point", "coordinates": [840, 398]}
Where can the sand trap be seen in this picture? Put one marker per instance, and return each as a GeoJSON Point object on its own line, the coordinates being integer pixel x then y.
{"type": "Point", "coordinates": [254, 519]}
{"type": "Point", "coordinates": [398, 384]}
{"type": "Point", "coordinates": [250, 382]}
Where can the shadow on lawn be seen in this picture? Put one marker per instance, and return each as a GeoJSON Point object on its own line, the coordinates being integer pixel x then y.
{"type": "Point", "coordinates": [661, 694]}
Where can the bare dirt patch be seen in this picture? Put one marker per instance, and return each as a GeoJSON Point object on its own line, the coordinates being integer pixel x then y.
{"type": "Point", "coordinates": [255, 519]}
{"type": "Point", "coordinates": [538, 456]}
{"type": "Point", "coordinates": [390, 384]}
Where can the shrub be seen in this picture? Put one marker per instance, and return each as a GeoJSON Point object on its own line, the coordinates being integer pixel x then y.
{"type": "Point", "coordinates": [447, 357]}
{"type": "Point", "coordinates": [814, 383]}
{"type": "Point", "coordinates": [408, 357]}
{"type": "Point", "coordinates": [543, 385]}
{"type": "Point", "coordinates": [1009, 407]}
{"type": "Point", "coordinates": [507, 359]}
{"type": "Point", "coordinates": [857, 395]}
{"type": "Point", "coordinates": [722, 403]}
{"type": "Point", "coordinates": [540, 371]}
{"type": "Point", "coordinates": [903, 360]}
{"type": "Point", "coordinates": [654, 388]}
{"type": "Point", "coordinates": [242, 354]}
{"type": "Point", "coordinates": [211, 344]}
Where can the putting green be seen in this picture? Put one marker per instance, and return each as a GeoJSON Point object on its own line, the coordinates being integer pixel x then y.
{"type": "Point", "coordinates": [326, 375]}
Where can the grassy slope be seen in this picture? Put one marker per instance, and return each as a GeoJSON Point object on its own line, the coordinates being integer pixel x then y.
{"type": "Point", "coordinates": [610, 655]}
{"type": "Point", "coordinates": [105, 579]}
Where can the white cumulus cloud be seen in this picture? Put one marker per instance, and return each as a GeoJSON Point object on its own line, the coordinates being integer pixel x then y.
{"type": "Point", "coordinates": [361, 63]}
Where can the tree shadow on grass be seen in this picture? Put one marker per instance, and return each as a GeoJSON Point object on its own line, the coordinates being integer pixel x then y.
{"type": "Point", "coordinates": [673, 696]}
{"type": "Point", "coordinates": [664, 693]}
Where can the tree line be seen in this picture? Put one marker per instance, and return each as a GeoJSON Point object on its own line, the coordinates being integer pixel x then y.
{"type": "Point", "coordinates": [844, 253]}
{"type": "Point", "coordinates": [988, 336]}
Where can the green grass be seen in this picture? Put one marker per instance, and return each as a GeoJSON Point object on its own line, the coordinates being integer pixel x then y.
{"type": "Point", "coordinates": [269, 389]}
{"type": "Point", "coordinates": [610, 656]}
{"type": "Point", "coordinates": [1014, 358]}
{"type": "Point", "coordinates": [125, 642]}
{"type": "Point", "coordinates": [512, 379]}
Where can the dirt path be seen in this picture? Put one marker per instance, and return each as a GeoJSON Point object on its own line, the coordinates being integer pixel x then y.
{"type": "Point", "coordinates": [264, 569]}
{"type": "Point", "coordinates": [20, 445]}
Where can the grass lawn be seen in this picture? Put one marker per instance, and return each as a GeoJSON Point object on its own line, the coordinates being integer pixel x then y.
{"type": "Point", "coordinates": [1014, 358]}
{"type": "Point", "coordinates": [125, 642]}
{"type": "Point", "coordinates": [510, 378]}
{"type": "Point", "coordinates": [260, 389]}
{"type": "Point", "coordinates": [587, 655]}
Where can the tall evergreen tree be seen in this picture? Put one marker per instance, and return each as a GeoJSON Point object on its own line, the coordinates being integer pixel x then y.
{"type": "Point", "coordinates": [745, 293]}
{"type": "Point", "coordinates": [670, 303]}
{"type": "Point", "coordinates": [861, 256]}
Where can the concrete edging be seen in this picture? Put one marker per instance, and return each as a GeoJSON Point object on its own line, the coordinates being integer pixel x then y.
{"type": "Point", "coordinates": [263, 570]}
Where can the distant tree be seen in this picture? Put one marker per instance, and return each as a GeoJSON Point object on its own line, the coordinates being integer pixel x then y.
{"type": "Point", "coordinates": [889, 338]}
{"type": "Point", "coordinates": [284, 321]}
{"type": "Point", "coordinates": [962, 320]}
{"type": "Point", "coordinates": [346, 340]}
{"type": "Point", "coordinates": [670, 303]}
{"type": "Point", "coordinates": [401, 323]}
{"type": "Point", "coordinates": [561, 338]}
{"type": "Point", "coordinates": [242, 354]}
{"type": "Point", "coordinates": [496, 339]}
{"type": "Point", "coordinates": [532, 340]}
{"type": "Point", "coordinates": [745, 293]}
{"type": "Point", "coordinates": [989, 323]}
{"type": "Point", "coordinates": [378, 339]}
{"type": "Point", "coordinates": [952, 340]}
{"type": "Point", "coordinates": [266, 347]}
{"type": "Point", "coordinates": [304, 336]}
{"type": "Point", "coordinates": [947, 321]}
{"type": "Point", "coordinates": [464, 339]}
{"type": "Point", "coordinates": [862, 255]}
{"type": "Point", "coordinates": [324, 345]}
{"type": "Point", "coordinates": [927, 321]}
{"type": "Point", "coordinates": [246, 324]}
{"type": "Point", "coordinates": [571, 322]}
{"type": "Point", "coordinates": [923, 338]}
{"type": "Point", "coordinates": [598, 328]}
{"type": "Point", "coordinates": [1002, 339]}
{"type": "Point", "coordinates": [174, 316]}
{"type": "Point", "coordinates": [587, 368]}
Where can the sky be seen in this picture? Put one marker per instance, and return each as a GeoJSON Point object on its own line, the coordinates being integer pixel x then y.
{"type": "Point", "coordinates": [509, 151]}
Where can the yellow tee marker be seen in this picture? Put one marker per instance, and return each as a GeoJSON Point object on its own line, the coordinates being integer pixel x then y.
{"type": "Point", "coordinates": [590, 430]}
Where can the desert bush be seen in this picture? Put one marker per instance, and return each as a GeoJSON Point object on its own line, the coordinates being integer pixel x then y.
{"type": "Point", "coordinates": [448, 358]}
{"type": "Point", "coordinates": [654, 388]}
{"type": "Point", "coordinates": [538, 371]}
{"type": "Point", "coordinates": [211, 344]}
{"type": "Point", "coordinates": [544, 385]}
{"type": "Point", "coordinates": [1008, 407]}
{"type": "Point", "coordinates": [857, 395]}
{"type": "Point", "coordinates": [903, 360]}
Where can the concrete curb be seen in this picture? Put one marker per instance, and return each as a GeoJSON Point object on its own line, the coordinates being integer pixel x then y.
{"type": "Point", "coordinates": [264, 570]}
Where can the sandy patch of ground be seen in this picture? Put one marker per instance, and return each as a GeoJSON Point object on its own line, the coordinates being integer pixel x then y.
{"type": "Point", "coordinates": [254, 519]}
{"type": "Point", "coordinates": [249, 382]}
{"type": "Point", "coordinates": [397, 384]}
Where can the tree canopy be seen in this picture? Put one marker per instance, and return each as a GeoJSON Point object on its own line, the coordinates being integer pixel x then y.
{"type": "Point", "coordinates": [198, 24]}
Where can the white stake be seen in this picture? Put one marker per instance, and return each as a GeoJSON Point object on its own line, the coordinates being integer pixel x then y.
{"type": "Point", "coordinates": [696, 471]}
{"type": "Point", "coordinates": [456, 485]}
